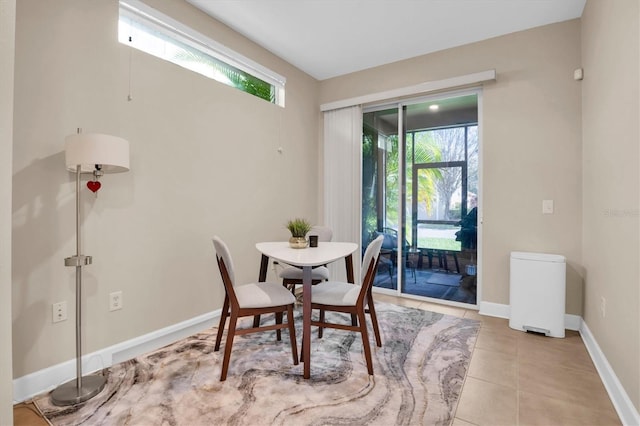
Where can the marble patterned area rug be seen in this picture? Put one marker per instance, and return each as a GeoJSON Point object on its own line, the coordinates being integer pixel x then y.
{"type": "Point", "coordinates": [419, 373]}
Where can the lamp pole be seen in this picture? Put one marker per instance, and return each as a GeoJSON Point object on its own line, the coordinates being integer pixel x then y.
{"type": "Point", "coordinates": [82, 389]}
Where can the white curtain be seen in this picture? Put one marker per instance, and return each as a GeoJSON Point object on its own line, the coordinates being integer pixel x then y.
{"type": "Point", "coordinates": [342, 180]}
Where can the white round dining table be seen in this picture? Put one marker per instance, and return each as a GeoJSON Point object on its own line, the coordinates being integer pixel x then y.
{"type": "Point", "coordinates": [306, 258]}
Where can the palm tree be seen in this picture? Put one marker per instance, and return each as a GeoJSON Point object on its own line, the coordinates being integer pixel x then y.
{"type": "Point", "coordinates": [421, 150]}
{"type": "Point", "coordinates": [425, 150]}
{"type": "Point", "coordinates": [209, 66]}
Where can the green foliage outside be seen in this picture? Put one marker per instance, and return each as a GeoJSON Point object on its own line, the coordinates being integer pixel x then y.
{"type": "Point", "coordinates": [439, 243]}
{"type": "Point", "coordinates": [425, 150]}
{"type": "Point", "coordinates": [198, 61]}
{"type": "Point", "coordinates": [422, 150]}
{"type": "Point", "coordinates": [248, 83]}
{"type": "Point", "coordinates": [369, 187]}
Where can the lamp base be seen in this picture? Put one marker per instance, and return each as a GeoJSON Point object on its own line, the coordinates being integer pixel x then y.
{"type": "Point", "coordinates": [69, 394]}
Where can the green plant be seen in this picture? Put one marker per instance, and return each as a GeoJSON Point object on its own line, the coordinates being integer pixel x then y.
{"type": "Point", "coordinates": [298, 227]}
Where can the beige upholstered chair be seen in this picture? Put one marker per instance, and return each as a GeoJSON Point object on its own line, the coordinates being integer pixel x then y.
{"type": "Point", "coordinates": [250, 300]}
{"type": "Point", "coordinates": [292, 275]}
{"type": "Point", "coordinates": [351, 299]}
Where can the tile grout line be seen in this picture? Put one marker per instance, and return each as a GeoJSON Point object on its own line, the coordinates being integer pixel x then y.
{"type": "Point", "coordinates": [518, 349]}
{"type": "Point", "coordinates": [455, 414]}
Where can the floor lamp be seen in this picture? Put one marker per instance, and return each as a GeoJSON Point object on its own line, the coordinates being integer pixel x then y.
{"type": "Point", "coordinates": [96, 154]}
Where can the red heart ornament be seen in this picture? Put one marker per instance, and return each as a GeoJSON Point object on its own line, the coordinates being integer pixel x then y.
{"type": "Point", "coordinates": [93, 185]}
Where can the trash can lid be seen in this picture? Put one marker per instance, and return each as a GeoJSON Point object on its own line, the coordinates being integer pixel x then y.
{"type": "Point", "coordinates": [540, 257]}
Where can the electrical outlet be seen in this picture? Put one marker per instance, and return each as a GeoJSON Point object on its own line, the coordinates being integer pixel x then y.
{"type": "Point", "coordinates": [603, 307]}
{"type": "Point", "coordinates": [59, 312]}
{"type": "Point", "coordinates": [115, 301]}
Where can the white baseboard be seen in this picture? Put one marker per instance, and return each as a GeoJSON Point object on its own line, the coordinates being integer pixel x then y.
{"type": "Point", "coordinates": [572, 322]}
{"type": "Point", "coordinates": [49, 378]}
{"type": "Point", "coordinates": [494, 310]}
{"type": "Point", "coordinates": [624, 407]}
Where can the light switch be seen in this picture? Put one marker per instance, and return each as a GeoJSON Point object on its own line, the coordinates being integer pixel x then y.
{"type": "Point", "coordinates": [547, 206]}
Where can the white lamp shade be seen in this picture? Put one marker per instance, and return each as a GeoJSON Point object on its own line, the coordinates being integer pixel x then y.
{"type": "Point", "coordinates": [89, 149]}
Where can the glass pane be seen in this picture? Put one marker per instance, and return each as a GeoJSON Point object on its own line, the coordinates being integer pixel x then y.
{"type": "Point", "coordinates": [439, 193]}
{"type": "Point", "coordinates": [438, 236]}
{"type": "Point", "coordinates": [472, 167]}
{"type": "Point", "coordinates": [381, 189]}
{"type": "Point", "coordinates": [450, 142]}
{"type": "Point", "coordinates": [155, 41]}
{"type": "Point", "coordinates": [441, 188]}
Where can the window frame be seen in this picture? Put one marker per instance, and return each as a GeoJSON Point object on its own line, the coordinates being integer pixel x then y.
{"type": "Point", "coordinates": [148, 17]}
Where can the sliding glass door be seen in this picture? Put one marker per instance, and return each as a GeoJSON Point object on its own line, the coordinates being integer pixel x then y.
{"type": "Point", "coordinates": [420, 188]}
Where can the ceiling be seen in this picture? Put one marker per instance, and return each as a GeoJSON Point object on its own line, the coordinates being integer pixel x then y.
{"type": "Point", "coordinates": [328, 38]}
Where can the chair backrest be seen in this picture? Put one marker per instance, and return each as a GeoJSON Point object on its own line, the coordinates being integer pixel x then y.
{"type": "Point", "coordinates": [371, 256]}
{"type": "Point", "coordinates": [390, 239]}
{"type": "Point", "coordinates": [324, 233]}
{"type": "Point", "coordinates": [222, 252]}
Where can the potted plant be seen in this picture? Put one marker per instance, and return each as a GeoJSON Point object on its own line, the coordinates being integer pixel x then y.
{"type": "Point", "coordinates": [299, 229]}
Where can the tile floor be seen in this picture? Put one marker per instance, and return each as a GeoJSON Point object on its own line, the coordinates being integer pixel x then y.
{"type": "Point", "coordinates": [514, 378]}
{"type": "Point", "coordinates": [519, 379]}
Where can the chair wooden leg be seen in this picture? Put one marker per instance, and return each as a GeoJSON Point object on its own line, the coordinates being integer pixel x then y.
{"type": "Point", "coordinates": [227, 348]}
{"type": "Point", "coordinates": [292, 335]}
{"type": "Point", "coordinates": [279, 321]}
{"type": "Point", "coordinates": [354, 320]}
{"type": "Point", "coordinates": [365, 341]}
{"type": "Point", "coordinates": [256, 321]}
{"type": "Point", "coordinates": [290, 285]}
{"type": "Point", "coordinates": [321, 320]}
{"type": "Point", "coordinates": [223, 320]}
{"type": "Point", "coordinates": [374, 319]}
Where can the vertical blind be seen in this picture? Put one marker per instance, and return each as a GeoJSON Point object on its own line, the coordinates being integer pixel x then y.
{"type": "Point", "coordinates": [342, 179]}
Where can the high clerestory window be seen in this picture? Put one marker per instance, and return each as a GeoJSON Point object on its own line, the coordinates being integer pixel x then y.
{"type": "Point", "coordinates": [149, 30]}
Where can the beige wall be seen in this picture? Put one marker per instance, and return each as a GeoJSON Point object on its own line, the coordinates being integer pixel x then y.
{"type": "Point", "coordinates": [7, 27]}
{"type": "Point", "coordinates": [531, 142]}
{"type": "Point", "coordinates": [204, 161]}
{"type": "Point", "coordinates": [611, 203]}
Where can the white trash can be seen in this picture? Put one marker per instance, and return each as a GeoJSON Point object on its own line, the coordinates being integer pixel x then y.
{"type": "Point", "coordinates": [537, 293]}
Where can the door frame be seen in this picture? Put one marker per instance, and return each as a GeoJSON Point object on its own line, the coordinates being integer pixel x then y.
{"type": "Point", "coordinates": [414, 192]}
{"type": "Point", "coordinates": [400, 105]}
